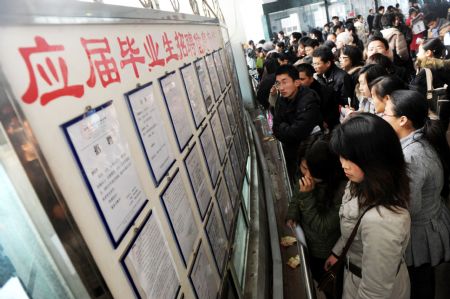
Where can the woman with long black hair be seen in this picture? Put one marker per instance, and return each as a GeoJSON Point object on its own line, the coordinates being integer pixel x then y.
{"type": "Point", "coordinates": [372, 159]}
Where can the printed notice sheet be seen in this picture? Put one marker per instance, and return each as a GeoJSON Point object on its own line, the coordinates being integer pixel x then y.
{"type": "Point", "coordinates": [235, 163]}
{"type": "Point", "coordinates": [175, 100]}
{"type": "Point", "coordinates": [210, 152]}
{"type": "Point", "coordinates": [180, 215]}
{"type": "Point", "coordinates": [218, 135]}
{"type": "Point", "coordinates": [225, 65]}
{"type": "Point", "coordinates": [230, 112]}
{"type": "Point", "coordinates": [149, 264]}
{"type": "Point", "coordinates": [204, 276]}
{"type": "Point", "coordinates": [217, 238]}
{"type": "Point", "coordinates": [205, 84]}
{"type": "Point", "coordinates": [229, 178]}
{"type": "Point", "coordinates": [199, 181]}
{"type": "Point", "coordinates": [225, 123]}
{"type": "Point", "coordinates": [153, 134]}
{"type": "Point", "coordinates": [194, 94]}
{"type": "Point", "coordinates": [213, 74]}
{"type": "Point", "coordinates": [104, 156]}
{"type": "Point", "coordinates": [226, 209]}
{"type": "Point", "coordinates": [220, 70]}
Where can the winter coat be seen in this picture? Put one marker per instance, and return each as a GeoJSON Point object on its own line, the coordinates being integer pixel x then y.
{"type": "Point", "coordinates": [340, 81]}
{"type": "Point", "coordinates": [295, 119]}
{"type": "Point", "coordinates": [319, 223]}
{"type": "Point", "coordinates": [397, 42]}
{"type": "Point", "coordinates": [430, 218]}
{"type": "Point", "coordinates": [378, 248]}
{"type": "Point", "coordinates": [440, 70]}
{"type": "Point", "coordinates": [328, 106]}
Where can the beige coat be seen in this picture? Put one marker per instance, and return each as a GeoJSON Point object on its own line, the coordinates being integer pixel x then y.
{"type": "Point", "coordinates": [397, 42]}
{"type": "Point", "coordinates": [378, 249]}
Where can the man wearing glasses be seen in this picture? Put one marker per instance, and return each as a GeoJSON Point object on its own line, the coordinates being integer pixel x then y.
{"type": "Point", "coordinates": [297, 117]}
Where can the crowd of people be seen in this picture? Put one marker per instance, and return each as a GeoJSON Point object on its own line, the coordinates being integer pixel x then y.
{"type": "Point", "coordinates": [361, 109]}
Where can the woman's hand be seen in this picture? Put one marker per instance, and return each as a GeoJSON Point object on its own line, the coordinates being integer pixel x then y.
{"type": "Point", "coordinates": [331, 260]}
{"type": "Point", "coordinates": [291, 223]}
{"type": "Point", "coordinates": [306, 184]}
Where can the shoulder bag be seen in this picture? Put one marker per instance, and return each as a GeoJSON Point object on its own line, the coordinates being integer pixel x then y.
{"type": "Point", "coordinates": [329, 282]}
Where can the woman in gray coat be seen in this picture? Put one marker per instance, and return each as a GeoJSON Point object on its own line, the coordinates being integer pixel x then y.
{"type": "Point", "coordinates": [427, 154]}
{"type": "Point", "coordinates": [372, 159]}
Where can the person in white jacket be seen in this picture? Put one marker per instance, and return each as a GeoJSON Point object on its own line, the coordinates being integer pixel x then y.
{"type": "Point", "coordinates": [372, 159]}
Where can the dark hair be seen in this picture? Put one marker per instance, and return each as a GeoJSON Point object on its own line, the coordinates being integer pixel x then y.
{"type": "Point", "coordinates": [324, 164]}
{"type": "Point", "coordinates": [334, 17]}
{"type": "Point", "coordinates": [324, 53]}
{"type": "Point", "coordinates": [350, 26]}
{"type": "Point", "coordinates": [271, 65]}
{"type": "Point", "coordinates": [329, 43]}
{"type": "Point", "coordinates": [380, 8]}
{"type": "Point", "coordinates": [313, 43]}
{"type": "Point", "coordinates": [336, 27]}
{"type": "Point", "coordinates": [281, 45]}
{"type": "Point", "coordinates": [435, 45]}
{"type": "Point", "coordinates": [387, 20]}
{"type": "Point", "coordinates": [251, 42]}
{"type": "Point", "coordinates": [317, 34]}
{"type": "Point", "coordinates": [306, 68]}
{"type": "Point", "coordinates": [372, 72]}
{"type": "Point", "coordinates": [384, 61]}
{"type": "Point", "coordinates": [431, 16]}
{"type": "Point", "coordinates": [281, 32]}
{"type": "Point", "coordinates": [354, 53]}
{"type": "Point", "coordinates": [296, 35]}
{"type": "Point", "coordinates": [303, 40]}
{"type": "Point", "coordinates": [385, 85]}
{"type": "Point", "coordinates": [414, 106]}
{"type": "Point", "coordinates": [371, 143]}
{"type": "Point", "coordinates": [289, 70]}
{"type": "Point", "coordinates": [283, 56]}
{"type": "Point", "coordinates": [379, 38]}
{"type": "Point", "coordinates": [262, 41]}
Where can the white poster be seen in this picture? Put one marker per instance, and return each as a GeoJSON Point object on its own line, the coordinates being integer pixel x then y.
{"type": "Point", "coordinates": [154, 138]}
{"type": "Point", "coordinates": [150, 265]}
{"type": "Point", "coordinates": [235, 164]}
{"type": "Point", "coordinates": [204, 276]}
{"type": "Point", "coordinates": [174, 97]}
{"type": "Point", "coordinates": [220, 70]}
{"type": "Point", "coordinates": [205, 84]}
{"type": "Point", "coordinates": [194, 94]}
{"type": "Point", "coordinates": [226, 67]}
{"type": "Point", "coordinates": [226, 209]}
{"type": "Point", "coordinates": [199, 180]}
{"type": "Point", "coordinates": [217, 238]}
{"type": "Point", "coordinates": [225, 124]}
{"type": "Point", "coordinates": [231, 183]}
{"type": "Point", "coordinates": [180, 214]}
{"type": "Point", "coordinates": [218, 135]}
{"type": "Point", "coordinates": [210, 152]}
{"type": "Point", "coordinates": [213, 74]}
{"type": "Point", "coordinates": [230, 113]}
{"type": "Point", "coordinates": [104, 157]}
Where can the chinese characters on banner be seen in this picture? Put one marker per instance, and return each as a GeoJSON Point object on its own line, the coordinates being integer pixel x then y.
{"type": "Point", "coordinates": [50, 76]}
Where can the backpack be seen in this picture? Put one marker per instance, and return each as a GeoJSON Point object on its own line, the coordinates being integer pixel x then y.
{"type": "Point", "coordinates": [435, 96]}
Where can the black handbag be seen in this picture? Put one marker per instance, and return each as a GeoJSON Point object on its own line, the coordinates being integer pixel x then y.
{"type": "Point", "coordinates": [329, 283]}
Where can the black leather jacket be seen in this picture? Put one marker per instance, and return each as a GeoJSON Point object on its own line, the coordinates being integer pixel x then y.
{"type": "Point", "coordinates": [295, 119]}
{"type": "Point", "coordinates": [340, 81]}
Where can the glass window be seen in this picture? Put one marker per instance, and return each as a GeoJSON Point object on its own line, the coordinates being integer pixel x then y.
{"type": "Point", "coordinates": [33, 261]}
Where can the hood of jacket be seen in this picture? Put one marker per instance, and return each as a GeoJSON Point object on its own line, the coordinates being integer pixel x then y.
{"type": "Point", "coordinates": [434, 63]}
{"type": "Point", "coordinates": [389, 32]}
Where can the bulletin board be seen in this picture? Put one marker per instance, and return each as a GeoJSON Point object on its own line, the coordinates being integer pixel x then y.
{"type": "Point", "coordinates": [130, 115]}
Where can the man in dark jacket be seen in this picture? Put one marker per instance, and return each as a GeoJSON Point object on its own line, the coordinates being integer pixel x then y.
{"type": "Point", "coordinates": [328, 106]}
{"type": "Point", "coordinates": [376, 25]}
{"type": "Point", "coordinates": [330, 75]}
{"type": "Point", "coordinates": [297, 115]}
